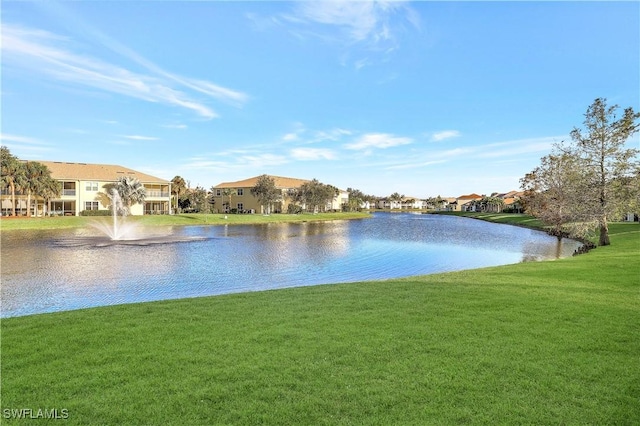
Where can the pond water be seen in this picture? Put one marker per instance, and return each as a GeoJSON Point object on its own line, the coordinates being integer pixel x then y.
{"type": "Point", "coordinates": [62, 270]}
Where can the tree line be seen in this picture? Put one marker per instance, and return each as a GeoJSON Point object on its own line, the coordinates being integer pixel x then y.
{"type": "Point", "coordinates": [30, 178]}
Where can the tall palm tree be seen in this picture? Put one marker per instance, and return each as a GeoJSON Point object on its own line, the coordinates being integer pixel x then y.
{"type": "Point", "coordinates": [131, 192]}
{"type": "Point", "coordinates": [178, 187]}
{"type": "Point", "coordinates": [51, 188]}
{"type": "Point", "coordinates": [35, 175]}
{"type": "Point", "coordinates": [12, 174]}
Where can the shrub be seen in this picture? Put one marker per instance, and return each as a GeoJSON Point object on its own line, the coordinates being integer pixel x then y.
{"type": "Point", "coordinates": [95, 213]}
{"type": "Point", "coordinates": [294, 209]}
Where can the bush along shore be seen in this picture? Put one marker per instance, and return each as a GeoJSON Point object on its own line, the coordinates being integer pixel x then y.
{"type": "Point", "coordinates": [526, 221]}
{"type": "Point", "coordinates": [532, 343]}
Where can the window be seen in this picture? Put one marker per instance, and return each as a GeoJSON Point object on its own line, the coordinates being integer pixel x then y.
{"type": "Point", "coordinates": [91, 186]}
{"type": "Point", "coordinates": [240, 191]}
{"type": "Point", "coordinates": [240, 207]}
{"type": "Point", "coordinates": [91, 205]}
{"type": "Point", "coordinates": [218, 192]}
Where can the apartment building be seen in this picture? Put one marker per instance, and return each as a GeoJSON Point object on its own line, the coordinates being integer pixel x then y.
{"type": "Point", "coordinates": [84, 187]}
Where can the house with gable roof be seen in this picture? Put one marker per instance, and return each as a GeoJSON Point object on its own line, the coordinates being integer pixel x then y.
{"type": "Point", "coordinates": [84, 187]}
{"type": "Point", "coordinates": [464, 203]}
{"type": "Point", "coordinates": [243, 201]}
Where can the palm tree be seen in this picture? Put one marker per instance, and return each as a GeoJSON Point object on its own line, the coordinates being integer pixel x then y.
{"type": "Point", "coordinates": [12, 174]}
{"type": "Point", "coordinates": [178, 187]}
{"type": "Point", "coordinates": [395, 197]}
{"type": "Point", "coordinates": [51, 188]}
{"type": "Point", "coordinates": [131, 191]}
{"type": "Point", "coordinates": [35, 175]}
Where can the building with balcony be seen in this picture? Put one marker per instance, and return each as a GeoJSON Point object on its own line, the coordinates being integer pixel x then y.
{"type": "Point", "coordinates": [243, 201]}
{"type": "Point", "coordinates": [85, 186]}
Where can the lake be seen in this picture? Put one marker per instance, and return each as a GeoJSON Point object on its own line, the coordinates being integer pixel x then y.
{"type": "Point", "coordinates": [48, 271]}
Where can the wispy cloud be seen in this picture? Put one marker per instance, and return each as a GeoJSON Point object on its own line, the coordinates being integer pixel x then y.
{"type": "Point", "coordinates": [519, 147]}
{"type": "Point", "coordinates": [360, 27]}
{"type": "Point", "coordinates": [175, 126]}
{"type": "Point", "coordinates": [245, 161]}
{"type": "Point", "coordinates": [303, 135]}
{"type": "Point", "coordinates": [50, 55]}
{"type": "Point", "coordinates": [378, 140]}
{"type": "Point", "coordinates": [333, 135]}
{"type": "Point", "coordinates": [23, 144]}
{"type": "Point", "coordinates": [290, 137]}
{"type": "Point", "coordinates": [361, 21]}
{"type": "Point", "coordinates": [140, 138]}
{"type": "Point", "coordinates": [306, 154]}
{"type": "Point", "coordinates": [444, 134]}
{"type": "Point", "coordinates": [4, 138]}
{"type": "Point", "coordinates": [415, 165]}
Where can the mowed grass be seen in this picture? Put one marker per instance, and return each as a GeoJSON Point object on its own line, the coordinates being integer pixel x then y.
{"type": "Point", "coordinates": [65, 222]}
{"type": "Point", "coordinates": [553, 342]}
{"type": "Point", "coordinates": [517, 219]}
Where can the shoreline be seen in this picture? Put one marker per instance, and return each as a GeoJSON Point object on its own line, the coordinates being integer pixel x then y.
{"type": "Point", "coordinates": [200, 219]}
{"type": "Point", "coordinates": [587, 245]}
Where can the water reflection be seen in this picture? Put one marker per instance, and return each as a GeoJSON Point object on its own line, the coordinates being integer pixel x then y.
{"type": "Point", "coordinates": [63, 270]}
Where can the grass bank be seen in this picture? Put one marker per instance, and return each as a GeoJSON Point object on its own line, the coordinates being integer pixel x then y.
{"type": "Point", "coordinates": [515, 219]}
{"type": "Point", "coordinates": [535, 343]}
{"type": "Point", "coordinates": [65, 222]}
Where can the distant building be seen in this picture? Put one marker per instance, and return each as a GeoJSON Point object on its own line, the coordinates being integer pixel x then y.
{"type": "Point", "coordinates": [243, 201]}
{"type": "Point", "coordinates": [464, 203]}
{"type": "Point", "coordinates": [83, 188]}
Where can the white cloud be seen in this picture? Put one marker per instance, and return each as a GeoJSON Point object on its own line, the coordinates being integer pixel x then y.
{"type": "Point", "coordinates": [372, 25]}
{"type": "Point", "coordinates": [23, 145]}
{"type": "Point", "coordinates": [48, 55]}
{"type": "Point", "coordinates": [378, 140]}
{"type": "Point", "coordinates": [312, 154]}
{"type": "Point", "coordinates": [414, 165]}
{"type": "Point", "coordinates": [174, 126]}
{"type": "Point", "coordinates": [331, 135]}
{"type": "Point", "coordinates": [361, 20]}
{"type": "Point", "coordinates": [289, 137]}
{"type": "Point", "coordinates": [4, 137]}
{"type": "Point", "coordinates": [445, 134]}
{"type": "Point", "coordinates": [140, 138]}
{"type": "Point", "coordinates": [519, 147]}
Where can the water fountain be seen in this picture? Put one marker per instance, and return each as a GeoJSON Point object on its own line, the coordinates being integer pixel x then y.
{"type": "Point", "coordinates": [119, 230]}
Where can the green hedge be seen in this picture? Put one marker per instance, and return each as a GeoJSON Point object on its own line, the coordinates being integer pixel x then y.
{"type": "Point", "coordinates": [95, 213]}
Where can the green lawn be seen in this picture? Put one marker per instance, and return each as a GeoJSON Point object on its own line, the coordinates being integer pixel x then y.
{"type": "Point", "coordinates": [506, 218]}
{"type": "Point", "coordinates": [553, 342]}
{"type": "Point", "coordinates": [23, 223]}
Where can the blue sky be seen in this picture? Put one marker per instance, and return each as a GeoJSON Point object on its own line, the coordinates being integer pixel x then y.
{"type": "Point", "coordinates": [420, 98]}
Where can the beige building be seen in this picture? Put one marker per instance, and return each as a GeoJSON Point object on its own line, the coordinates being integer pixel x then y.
{"type": "Point", "coordinates": [243, 201]}
{"type": "Point", "coordinates": [462, 203]}
{"type": "Point", "coordinates": [83, 188]}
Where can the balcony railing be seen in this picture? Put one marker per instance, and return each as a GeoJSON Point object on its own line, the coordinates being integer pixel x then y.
{"type": "Point", "coordinates": [71, 192]}
{"type": "Point", "coordinates": [157, 194]}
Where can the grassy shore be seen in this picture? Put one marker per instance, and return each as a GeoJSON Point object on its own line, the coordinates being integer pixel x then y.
{"type": "Point", "coordinates": [65, 222]}
{"type": "Point", "coordinates": [553, 342]}
{"type": "Point", "coordinates": [516, 219]}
